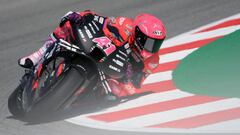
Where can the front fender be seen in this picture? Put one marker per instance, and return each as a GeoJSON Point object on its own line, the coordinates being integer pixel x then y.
{"type": "Point", "coordinates": [86, 64]}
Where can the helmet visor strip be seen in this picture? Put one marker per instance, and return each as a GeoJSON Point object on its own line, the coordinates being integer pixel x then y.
{"type": "Point", "coordinates": [153, 45]}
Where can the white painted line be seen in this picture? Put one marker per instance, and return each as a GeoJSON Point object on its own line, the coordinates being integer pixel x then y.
{"type": "Point", "coordinates": [236, 16]}
{"type": "Point", "coordinates": [144, 100]}
{"type": "Point", "coordinates": [199, 36]}
{"type": "Point", "coordinates": [158, 77]}
{"type": "Point", "coordinates": [228, 104]}
{"type": "Point", "coordinates": [186, 34]}
{"type": "Point", "coordinates": [229, 126]}
{"type": "Point", "coordinates": [176, 114]}
{"type": "Point", "coordinates": [175, 56]}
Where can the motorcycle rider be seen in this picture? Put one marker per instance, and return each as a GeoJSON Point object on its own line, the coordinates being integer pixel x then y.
{"type": "Point", "coordinates": [145, 40]}
{"type": "Point", "coordinates": [145, 36]}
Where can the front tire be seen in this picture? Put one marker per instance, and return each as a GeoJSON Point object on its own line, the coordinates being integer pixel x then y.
{"type": "Point", "coordinates": [59, 94]}
{"type": "Point", "coordinates": [15, 102]}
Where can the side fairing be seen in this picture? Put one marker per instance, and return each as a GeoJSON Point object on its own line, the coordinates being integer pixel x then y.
{"type": "Point", "coordinates": [115, 65]}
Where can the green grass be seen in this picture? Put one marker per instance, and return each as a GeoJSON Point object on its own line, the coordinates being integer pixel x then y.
{"type": "Point", "coordinates": [212, 70]}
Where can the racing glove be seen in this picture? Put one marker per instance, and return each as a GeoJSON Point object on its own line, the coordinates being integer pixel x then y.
{"type": "Point", "coordinates": [73, 17]}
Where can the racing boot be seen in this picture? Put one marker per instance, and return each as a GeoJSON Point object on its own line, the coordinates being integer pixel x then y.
{"type": "Point", "coordinates": [25, 62]}
{"type": "Point", "coordinates": [34, 58]}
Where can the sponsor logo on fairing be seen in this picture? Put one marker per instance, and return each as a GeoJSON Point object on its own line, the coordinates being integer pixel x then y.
{"type": "Point", "coordinates": [127, 32]}
{"type": "Point", "coordinates": [129, 51]}
{"type": "Point", "coordinates": [135, 57]}
{"type": "Point", "coordinates": [95, 25]}
{"type": "Point", "coordinates": [82, 35]}
{"type": "Point", "coordinates": [123, 53]}
{"type": "Point", "coordinates": [120, 57]}
{"type": "Point", "coordinates": [96, 18]}
{"type": "Point", "coordinates": [88, 32]}
{"type": "Point", "coordinates": [126, 46]}
{"type": "Point", "coordinates": [104, 82]}
{"type": "Point", "coordinates": [118, 62]}
{"type": "Point", "coordinates": [101, 19]}
{"type": "Point", "coordinates": [92, 28]}
{"type": "Point", "coordinates": [114, 68]}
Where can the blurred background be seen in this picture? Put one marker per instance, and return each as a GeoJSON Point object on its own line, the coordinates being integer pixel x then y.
{"type": "Point", "coordinates": [25, 24]}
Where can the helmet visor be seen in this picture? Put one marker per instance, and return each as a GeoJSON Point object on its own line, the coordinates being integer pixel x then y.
{"type": "Point", "coordinates": [153, 45]}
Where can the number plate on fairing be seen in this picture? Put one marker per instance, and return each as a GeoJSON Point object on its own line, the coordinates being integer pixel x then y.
{"type": "Point", "coordinates": [115, 64]}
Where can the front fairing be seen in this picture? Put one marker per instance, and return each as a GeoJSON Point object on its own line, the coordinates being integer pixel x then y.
{"type": "Point", "coordinates": [113, 59]}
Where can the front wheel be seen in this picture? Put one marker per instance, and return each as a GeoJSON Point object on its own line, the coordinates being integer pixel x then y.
{"type": "Point", "coordinates": [62, 91]}
{"type": "Point", "coordinates": [15, 102]}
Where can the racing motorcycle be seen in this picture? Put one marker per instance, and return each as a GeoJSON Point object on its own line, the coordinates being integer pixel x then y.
{"type": "Point", "coordinates": [68, 73]}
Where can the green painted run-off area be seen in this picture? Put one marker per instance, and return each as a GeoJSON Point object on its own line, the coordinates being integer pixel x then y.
{"type": "Point", "coordinates": [212, 70]}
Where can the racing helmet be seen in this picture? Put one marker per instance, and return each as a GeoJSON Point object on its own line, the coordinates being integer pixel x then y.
{"type": "Point", "coordinates": [149, 34]}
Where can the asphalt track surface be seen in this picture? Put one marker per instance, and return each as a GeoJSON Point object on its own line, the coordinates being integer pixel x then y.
{"type": "Point", "coordinates": [25, 24]}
